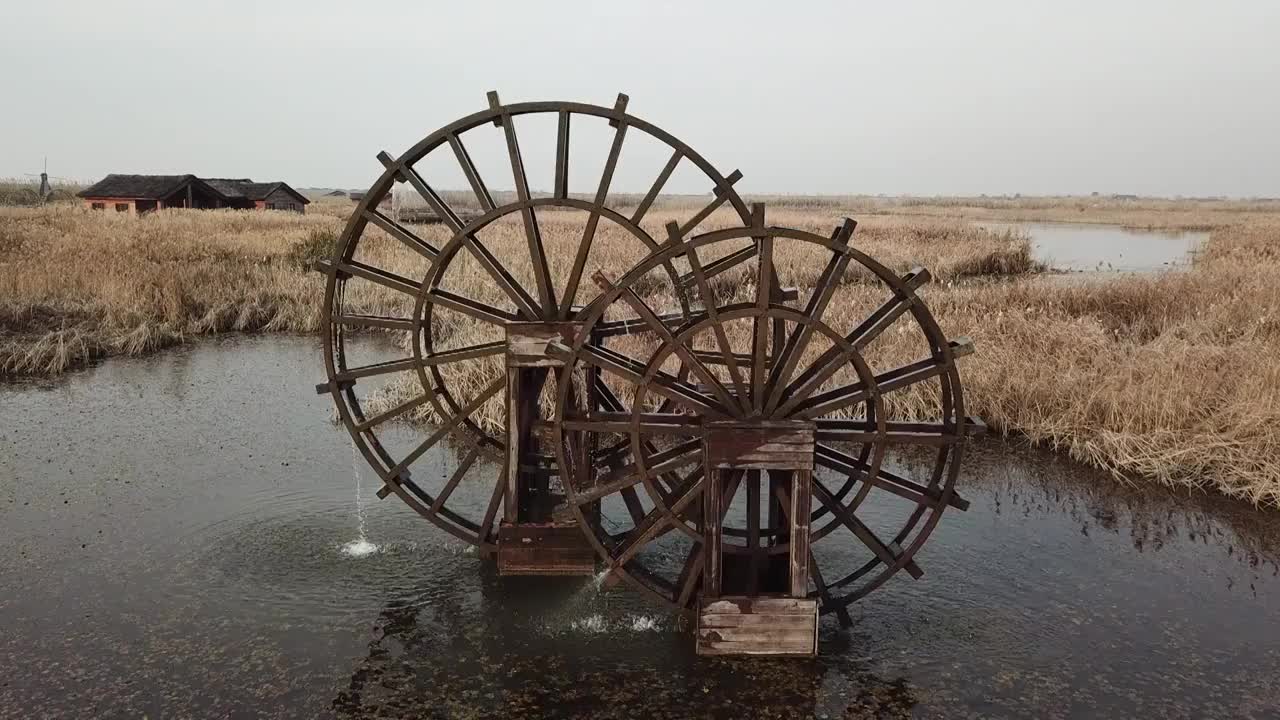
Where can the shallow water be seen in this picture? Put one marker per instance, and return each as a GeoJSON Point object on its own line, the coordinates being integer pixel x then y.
{"type": "Point", "coordinates": [174, 530]}
{"type": "Point", "coordinates": [1073, 247]}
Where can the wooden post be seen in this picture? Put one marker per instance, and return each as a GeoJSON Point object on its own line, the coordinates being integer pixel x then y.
{"type": "Point", "coordinates": [712, 498]}
{"type": "Point", "coordinates": [531, 540]}
{"type": "Point", "coordinates": [798, 525]}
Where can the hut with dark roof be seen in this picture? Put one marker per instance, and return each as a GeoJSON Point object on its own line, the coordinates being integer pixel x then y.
{"type": "Point", "coordinates": [144, 193]}
{"type": "Point", "coordinates": [261, 196]}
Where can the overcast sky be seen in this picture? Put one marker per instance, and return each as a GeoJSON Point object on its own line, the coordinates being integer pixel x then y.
{"type": "Point", "coordinates": [1159, 98]}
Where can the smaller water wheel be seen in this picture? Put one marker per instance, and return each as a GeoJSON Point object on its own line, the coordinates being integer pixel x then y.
{"type": "Point", "coordinates": [475, 297]}
{"type": "Point", "coordinates": [762, 451]}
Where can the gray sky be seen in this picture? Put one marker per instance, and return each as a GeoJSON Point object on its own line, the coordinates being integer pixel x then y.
{"type": "Point", "coordinates": [1156, 98]}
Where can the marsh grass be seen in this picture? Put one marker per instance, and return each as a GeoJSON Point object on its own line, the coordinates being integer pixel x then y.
{"type": "Point", "coordinates": [1172, 377]}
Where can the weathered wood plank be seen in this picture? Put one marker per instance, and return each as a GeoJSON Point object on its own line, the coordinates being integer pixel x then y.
{"type": "Point", "coordinates": [529, 343]}
{"type": "Point", "coordinates": [544, 549]}
{"type": "Point", "coordinates": [758, 626]}
{"type": "Point", "coordinates": [775, 445]}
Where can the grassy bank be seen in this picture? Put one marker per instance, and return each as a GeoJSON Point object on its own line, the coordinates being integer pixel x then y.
{"type": "Point", "coordinates": [1173, 378]}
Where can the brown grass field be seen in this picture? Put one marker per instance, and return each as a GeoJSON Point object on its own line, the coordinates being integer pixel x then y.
{"type": "Point", "coordinates": [1171, 377]}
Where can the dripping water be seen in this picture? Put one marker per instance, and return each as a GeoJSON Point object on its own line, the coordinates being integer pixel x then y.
{"type": "Point", "coordinates": [361, 546]}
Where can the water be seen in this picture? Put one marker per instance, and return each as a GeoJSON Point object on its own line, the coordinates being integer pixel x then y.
{"type": "Point", "coordinates": [1072, 247]}
{"type": "Point", "coordinates": [173, 530]}
{"type": "Point", "coordinates": [361, 545]}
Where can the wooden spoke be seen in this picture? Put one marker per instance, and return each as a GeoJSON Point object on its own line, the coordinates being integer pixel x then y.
{"type": "Point", "coordinates": [449, 426]}
{"type": "Point", "coordinates": [385, 278]}
{"type": "Point", "coordinates": [727, 356]}
{"type": "Point", "coordinates": [537, 252]}
{"type": "Point", "coordinates": [824, 593]}
{"type": "Point", "coordinates": [491, 511]}
{"type": "Point", "coordinates": [690, 576]}
{"type": "Point", "coordinates": [656, 188]}
{"type": "Point", "coordinates": [470, 352]}
{"type": "Point", "coordinates": [474, 308]}
{"type": "Point", "coordinates": [473, 175]}
{"type": "Point", "coordinates": [712, 206]}
{"type": "Point", "coordinates": [721, 265]}
{"type": "Point", "coordinates": [628, 475]}
{"type": "Point", "coordinates": [664, 384]}
{"type": "Point", "coordinates": [611, 403]}
{"type": "Point", "coordinates": [562, 155]}
{"type": "Point", "coordinates": [760, 328]}
{"type": "Point", "coordinates": [896, 379]}
{"type": "Point", "coordinates": [381, 368]}
{"type": "Point", "coordinates": [527, 306]}
{"type": "Point", "coordinates": [652, 525]}
{"type": "Point", "coordinates": [401, 233]}
{"type": "Point", "coordinates": [593, 219]}
{"type": "Point", "coordinates": [433, 198]}
{"type": "Point", "coordinates": [375, 321]}
{"type": "Point", "coordinates": [795, 345]}
{"type": "Point", "coordinates": [647, 314]}
{"type": "Point", "coordinates": [631, 326]}
{"type": "Point", "coordinates": [835, 357]}
{"type": "Point", "coordinates": [621, 422]}
{"type": "Point", "coordinates": [900, 433]}
{"type": "Point", "coordinates": [833, 459]}
{"type": "Point", "coordinates": [889, 555]}
{"type": "Point", "coordinates": [885, 479]}
{"type": "Point", "coordinates": [454, 479]}
{"type": "Point", "coordinates": [631, 500]}
{"type": "Point", "coordinates": [505, 281]}
{"type": "Point", "coordinates": [393, 412]}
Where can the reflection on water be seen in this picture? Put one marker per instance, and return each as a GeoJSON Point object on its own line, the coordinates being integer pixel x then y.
{"type": "Point", "coordinates": [174, 529]}
{"type": "Point", "coordinates": [1071, 247]}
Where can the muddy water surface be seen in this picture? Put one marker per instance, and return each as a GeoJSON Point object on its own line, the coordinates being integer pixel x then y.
{"type": "Point", "coordinates": [172, 531]}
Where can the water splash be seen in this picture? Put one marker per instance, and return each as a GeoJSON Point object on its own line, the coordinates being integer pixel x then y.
{"type": "Point", "coordinates": [600, 578]}
{"type": "Point", "coordinates": [644, 623]}
{"type": "Point", "coordinates": [360, 547]}
{"type": "Point", "coordinates": [590, 624]}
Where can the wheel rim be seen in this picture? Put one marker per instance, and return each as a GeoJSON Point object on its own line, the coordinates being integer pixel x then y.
{"type": "Point", "coordinates": [456, 414]}
{"type": "Point", "coordinates": [786, 389]}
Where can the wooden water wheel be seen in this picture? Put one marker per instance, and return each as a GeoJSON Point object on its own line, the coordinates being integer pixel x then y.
{"type": "Point", "coordinates": [785, 452]}
{"type": "Point", "coordinates": [474, 301]}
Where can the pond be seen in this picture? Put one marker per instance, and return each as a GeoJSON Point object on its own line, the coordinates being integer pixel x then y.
{"type": "Point", "coordinates": [1074, 247]}
{"type": "Point", "coordinates": [174, 530]}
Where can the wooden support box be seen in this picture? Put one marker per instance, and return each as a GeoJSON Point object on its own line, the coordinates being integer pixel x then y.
{"type": "Point", "coordinates": [732, 625]}
{"type": "Point", "coordinates": [549, 549]}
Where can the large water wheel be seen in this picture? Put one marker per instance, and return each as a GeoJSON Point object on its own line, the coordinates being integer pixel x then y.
{"type": "Point", "coordinates": [761, 433]}
{"type": "Point", "coordinates": [751, 423]}
{"type": "Point", "coordinates": [475, 308]}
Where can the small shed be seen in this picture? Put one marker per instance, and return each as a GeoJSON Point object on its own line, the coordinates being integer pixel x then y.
{"type": "Point", "coordinates": [261, 196]}
{"type": "Point", "coordinates": [144, 193]}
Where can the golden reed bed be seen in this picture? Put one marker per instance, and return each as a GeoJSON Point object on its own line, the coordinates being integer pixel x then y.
{"type": "Point", "coordinates": [1172, 377]}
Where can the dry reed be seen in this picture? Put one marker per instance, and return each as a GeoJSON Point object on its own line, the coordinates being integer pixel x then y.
{"type": "Point", "coordinates": [1173, 377]}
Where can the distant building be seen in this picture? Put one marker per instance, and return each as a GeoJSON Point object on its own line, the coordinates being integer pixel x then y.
{"type": "Point", "coordinates": [263, 196]}
{"type": "Point", "coordinates": [386, 200]}
{"type": "Point", "coordinates": [143, 193]}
